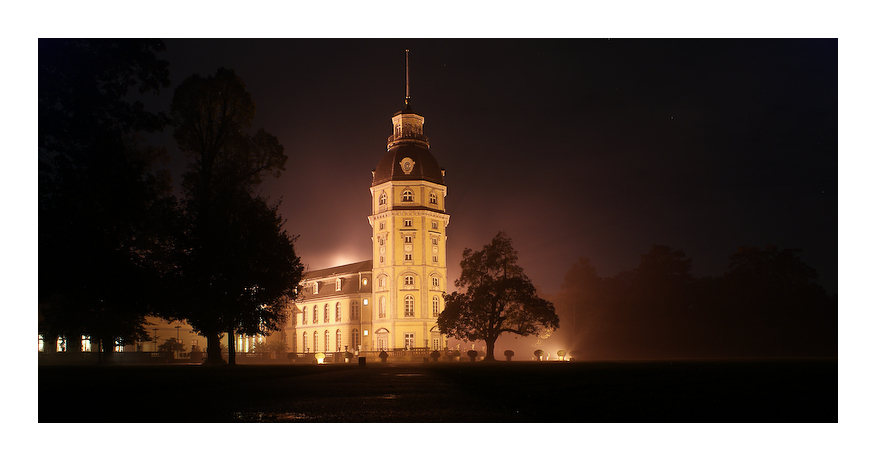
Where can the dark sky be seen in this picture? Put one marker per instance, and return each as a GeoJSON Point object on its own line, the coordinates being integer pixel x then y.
{"type": "Point", "coordinates": [596, 148]}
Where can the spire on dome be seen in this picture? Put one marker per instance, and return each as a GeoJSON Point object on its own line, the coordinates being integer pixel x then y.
{"type": "Point", "coordinates": [407, 82]}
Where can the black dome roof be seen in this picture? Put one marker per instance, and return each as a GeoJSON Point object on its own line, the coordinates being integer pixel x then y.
{"type": "Point", "coordinates": [425, 166]}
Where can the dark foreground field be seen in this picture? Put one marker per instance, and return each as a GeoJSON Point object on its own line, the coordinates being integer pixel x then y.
{"type": "Point", "coordinates": [714, 391]}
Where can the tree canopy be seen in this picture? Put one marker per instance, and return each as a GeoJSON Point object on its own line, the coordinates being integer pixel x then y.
{"type": "Point", "coordinates": [237, 264]}
{"type": "Point", "coordinates": [497, 298]}
{"type": "Point", "coordinates": [766, 304]}
{"type": "Point", "coordinates": [101, 200]}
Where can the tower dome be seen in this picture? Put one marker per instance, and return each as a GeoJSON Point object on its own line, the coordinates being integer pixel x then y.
{"type": "Point", "coordinates": [407, 154]}
{"type": "Point", "coordinates": [407, 148]}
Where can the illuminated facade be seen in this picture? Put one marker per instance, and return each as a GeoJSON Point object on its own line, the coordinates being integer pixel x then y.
{"type": "Point", "coordinates": [391, 302]}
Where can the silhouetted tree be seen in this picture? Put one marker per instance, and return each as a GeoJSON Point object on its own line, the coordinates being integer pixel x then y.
{"type": "Point", "coordinates": [778, 308]}
{"type": "Point", "coordinates": [237, 264]}
{"type": "Point", "coordinates": [498, 298]}
{"type": "Point", "coordinates": [102, 205]}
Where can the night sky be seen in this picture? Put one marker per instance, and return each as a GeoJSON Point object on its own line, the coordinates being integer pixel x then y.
{"type": "Point", "coordinates": [581, 147]}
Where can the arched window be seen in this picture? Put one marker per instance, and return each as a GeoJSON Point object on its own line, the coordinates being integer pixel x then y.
{"type": "Point", "coordinates": [325, 316]}
{"type": "Point", "coordinates": [382, 200]}
{"type": "Point", "coordinates": [409, 306]}
{"type": "Point", "coordinates": [304, 316]}
{"type": "Point", "coordinates": [381, 312]}
{"type": "Point", "coordinates": [436, 306]}
{"type": "Point", "coordinates": [304, 341]}
{"type": "Point", "coordinates": [315, 342]}
{"type": "Point", "coordinates": [315, 315]}
{"type": "Point", "coordinates": [354, 339]}
{"type": "Point", "coordinates": [407, 196]}
{"type": "Point", "coordinates": [433, 199]}
{"type": "Point", "coordinates": [294, 342]}
{"type": "Point", "coordinates": [326, 347]}
{"type": "Point", "coordinates": [338, 312]}
{"type": "Point", "coordinates": [338, 341]}
{"type": "Point", "coordinates": [354, 310]}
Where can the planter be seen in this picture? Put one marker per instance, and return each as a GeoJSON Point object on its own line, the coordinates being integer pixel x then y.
{"type": "Point", "coordinates": [383, 355]}
{"type": "Point", "coordinates": [508, 354]}
{"type": "Point", "coordinates": [472, 355]}
{"type": "Point", "coordinates": [538, 354]}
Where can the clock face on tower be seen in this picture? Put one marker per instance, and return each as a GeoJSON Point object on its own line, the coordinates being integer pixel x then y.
{"type": "Point", "coordinates": [407, 165]}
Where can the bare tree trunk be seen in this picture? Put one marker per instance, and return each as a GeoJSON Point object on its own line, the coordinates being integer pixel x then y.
{"type": "Point", "coordinates": [231, 347]}
{"type": "Point", "coordinates": [214, 350]}
{"type": "Point", "coordinates": [491, 349]}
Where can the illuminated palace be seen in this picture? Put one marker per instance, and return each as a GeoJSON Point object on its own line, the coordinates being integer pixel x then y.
{"type": "Point", "coordinates": [392, 301]}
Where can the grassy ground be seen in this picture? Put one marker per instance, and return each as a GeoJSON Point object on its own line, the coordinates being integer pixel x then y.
{"type": "Point", "coordinates": [687, 391]}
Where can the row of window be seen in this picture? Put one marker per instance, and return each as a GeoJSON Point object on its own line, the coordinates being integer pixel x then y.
{"type": "Point", "coordinates": [410, 223]}
{"type": "Point", "coordinates": [409, 282]}
{"type": "Point", "coordinates": [408, 196]}
{"type": "Point", "coordinates": [354, 341]}
{"type": "Point", "coordinates": [354, 313]}
{"type": "Point", "coordinates": [409, 307]}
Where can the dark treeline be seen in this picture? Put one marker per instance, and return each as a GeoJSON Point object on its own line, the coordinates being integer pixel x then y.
{"type": "Point", "coordinates": [766, 304]}
{"type": "Point", "coordinates": [115, 243]}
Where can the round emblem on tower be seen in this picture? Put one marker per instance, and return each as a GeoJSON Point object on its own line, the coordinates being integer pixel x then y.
{"type": "Point", "coordinates": [407, 165]}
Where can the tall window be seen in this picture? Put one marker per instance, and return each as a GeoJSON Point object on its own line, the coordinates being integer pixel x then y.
{"type": "Point", "coordinates": [381, 311]}
{"type": "Point", "coordinates": [433, 199]}
{"type": "Point", "coordinates": [409, 280]}
{"type": "Point", "coordinates": [304, 316]}
{"type": "Point", "coordinates": [315, 315]}
{"type": "Point", "coordinates": [407, 196]}
{"type": "Point", "coordinates": [436, 306]}
{"type": "Point", "coordinates": [304, 341]}
{"type": "Point", "coordinates": [315, 342]}
{"type": "Point", "coordinates": [326, 347]}
{"type": "Point", "coordinates": [354, 310]}
{"type": "Point", "coordinates": [338, 285]}
{"type": "Point", "coordinates": [315, 288]}
{"type": "Point", "coordinates": [409, 306]}
{"type": "Point", "coordinates": [435, 344]}
{"type": "Point", "coordinates": [338, 312]}
{"type": "Point", "coordinates": [382, 200]}
{"type": "Point", "coordinates": [338, 341]}
{"type": "Point", "coordinates": [409, 340]}
{"type": "Point", "coordinates": [354, 339]}
{"type": "Point", "coordinates": [325, 315]}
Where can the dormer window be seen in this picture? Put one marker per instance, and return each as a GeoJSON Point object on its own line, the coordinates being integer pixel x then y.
{"type": "Point", "coordinates": [315, 288]}
{"type": "Point", "coordinates": [407, 196]}
{"type": "Point", "coordinates": [338, 285]}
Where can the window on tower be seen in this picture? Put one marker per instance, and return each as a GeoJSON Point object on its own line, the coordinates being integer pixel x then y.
{"type": "Point", "coordinates": [382, 199]}
{"type": "Point", "coordinates": [435, 306]}
{"type": "Point", "coordinates": [381, 311]}
{"type": "Point", "coordinates": [433, 199]}
{"type": "Point", "coordinates": [409, 280]}
{"type": "Point", "coordinates": [409, 223]}
{"type": "Point", "coordinates": [407, 196]}
{"type": "Point", "coordinates": [409, 257]}
{"type": "Point", "coordinates": [408, 239]}
{"type": "Point", "coordinates": [409, 306]}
